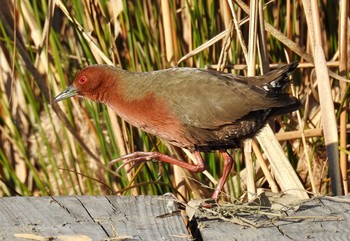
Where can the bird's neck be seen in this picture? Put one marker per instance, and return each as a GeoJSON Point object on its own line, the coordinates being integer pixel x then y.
{"type": "Point", "coordinates": [127, 88]}
{"type": "Point", "coordinates": [135, 85]}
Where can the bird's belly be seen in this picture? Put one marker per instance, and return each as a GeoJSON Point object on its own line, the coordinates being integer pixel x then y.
{"type": "Point", "coordinates": [170, 132]}
{"type": "Point", "coordinates": [228, 136]}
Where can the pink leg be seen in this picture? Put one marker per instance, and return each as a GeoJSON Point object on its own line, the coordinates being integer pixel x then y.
{"type": "Point", "coordinates": [228, 163]}
{"type": "Point", "coordinates": [138, 157]}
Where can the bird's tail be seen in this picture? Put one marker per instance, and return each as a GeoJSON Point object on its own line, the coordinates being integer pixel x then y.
{"type": "Point", "coordinates": [278, 79]}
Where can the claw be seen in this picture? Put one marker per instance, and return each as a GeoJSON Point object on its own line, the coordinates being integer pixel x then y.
{"type": "Point", "coordinates": [134, 159]}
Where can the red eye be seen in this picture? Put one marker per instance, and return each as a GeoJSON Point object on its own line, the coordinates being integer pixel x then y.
{"type": "Point", "coordinates": [82, 79]}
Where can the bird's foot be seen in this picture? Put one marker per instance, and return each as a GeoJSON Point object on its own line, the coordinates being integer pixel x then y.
{"type": "Point", "coordinates": [134, 159]}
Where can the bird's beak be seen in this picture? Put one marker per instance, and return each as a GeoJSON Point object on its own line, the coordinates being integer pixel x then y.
{"type": "Point", "coordinates": [67, 93]}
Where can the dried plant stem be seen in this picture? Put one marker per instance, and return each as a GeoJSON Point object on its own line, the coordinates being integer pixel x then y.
{"type": "Point", "coordinates": [290, 135]}
{"type": "Point", "coordinates": [251, 72]}
{"type": "Point", "coordinates": [263, 54]}
{"type": "Point", "coordinates": [238, 30]}
{"type": "Point", "coordinates": [204, 46]}
{"type": "Point", "coordinates": [326, 101]}
{"type": "Point", "coordinates": [306, 153]}
{"type": "Point", "coordinates": [225, 49]}
{"type": "Point", "coordinates": [283, 170]}
{"type": "Point", "coordinates": [264, 167]}
{"type": "Point", "coordinates": [343, 60]}
{"type": "Point", "coordinates": [168, 35]}
{"type": "Point", "coordinates": [251, 188]}
{"type": "Point", "coordinates": [253, 23]}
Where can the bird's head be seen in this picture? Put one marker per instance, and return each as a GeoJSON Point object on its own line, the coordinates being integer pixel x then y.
{"type": "Point", "coordinates": [91, 82]}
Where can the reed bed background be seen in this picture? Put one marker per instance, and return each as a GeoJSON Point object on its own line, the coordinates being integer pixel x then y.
{"type": "Point", "coordinates": [65, 149]}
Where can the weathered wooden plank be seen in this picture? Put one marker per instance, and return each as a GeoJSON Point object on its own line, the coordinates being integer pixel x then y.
{"type": "Point", "coordinates": [136, 218]}
{"type": "Point", "coordinates": [318, 219]}
{"type": "Point", "coordinates": [89, 218]}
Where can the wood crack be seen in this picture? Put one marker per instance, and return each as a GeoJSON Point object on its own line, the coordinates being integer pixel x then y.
{"type": "Point", "coordinates": [92, 218]}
